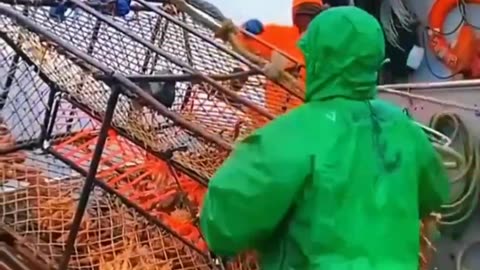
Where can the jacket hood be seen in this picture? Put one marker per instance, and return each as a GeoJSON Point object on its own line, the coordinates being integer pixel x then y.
{"type": "Point", "coordinates": [298, 3]}
{"type": "Point", "coordinates": [344, 49]}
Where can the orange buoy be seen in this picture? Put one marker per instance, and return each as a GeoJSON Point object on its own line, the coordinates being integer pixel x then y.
{"type": "Point", "coordinates": [460, 57]}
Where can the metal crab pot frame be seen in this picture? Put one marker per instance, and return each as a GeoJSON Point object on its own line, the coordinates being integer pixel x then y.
{"type": "Point", "coordinates": [33, 177]}
{"type": "Point", "coordinates": [90, 181]}
{"type": "Point", "coordinates": [121, 85]}
{"type": "Point", "coordinates": [220, 133]}
{"type": "Point", "coordinates": [103, 230]}
{"type": "Point", "coordinates": [27, 142]}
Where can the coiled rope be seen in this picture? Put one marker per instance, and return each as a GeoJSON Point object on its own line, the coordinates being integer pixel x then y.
{"type": "Point", "coordinates": [467, 178]}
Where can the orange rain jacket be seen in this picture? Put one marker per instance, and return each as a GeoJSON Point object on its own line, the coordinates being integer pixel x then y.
{"type": "Point", "coordinates": [283, 38]}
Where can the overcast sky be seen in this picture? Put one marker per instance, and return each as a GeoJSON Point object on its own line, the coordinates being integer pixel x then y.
{"type": "Point", "coordinates": [278, 11]}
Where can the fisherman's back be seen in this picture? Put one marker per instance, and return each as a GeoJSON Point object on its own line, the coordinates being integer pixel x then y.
{"type": "Point", "coordinates": [339, 183]}
{"type": "Point", "coordinates": [358, 208]}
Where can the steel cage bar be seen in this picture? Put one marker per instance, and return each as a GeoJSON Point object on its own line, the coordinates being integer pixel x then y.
{"type": "Point", "coordinates": [110, 78]}
{"type": "Point", "coordinates": [125, 200]}
{"type": "Point", "coordinates": [22, 20]}
{"type": "Point", "coordinates": [89, 180]}
{"type": "Point", "coordinates": [262, 111]}
{"type": "Point", "coordinates": [52, 85]}
{"type": "Point", "coordinates": [160, 155]}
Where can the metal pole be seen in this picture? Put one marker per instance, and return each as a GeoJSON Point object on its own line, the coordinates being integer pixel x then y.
{"type": "Point", "coordinates": [49, 118]}
{"type": "Point", "coordinates": [8, 82]}
{"type": "Point", "coordinates": [51, 123]}
{"type": "Point", "coordinates": [91, 46]}
{"type": "Point", "coordinates": [90, 178]}
{"type": "Point", "coordinates": [189, 91]}
{"type": "Point", "coordinates": [429, 99]}
{"type": "Point", "coordinates": [185, 77]}
{"type": "Point", "coordinates": [432, 85]}
{"type": "Point", "coordinates": [148, 53]}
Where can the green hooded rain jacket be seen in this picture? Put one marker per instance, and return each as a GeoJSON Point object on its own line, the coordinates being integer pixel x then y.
{"type": "Point", "coordinates": [338, 183]}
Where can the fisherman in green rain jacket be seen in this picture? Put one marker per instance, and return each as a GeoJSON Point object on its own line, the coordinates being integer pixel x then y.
{"type": "Point", "coordinates": [339, 183]}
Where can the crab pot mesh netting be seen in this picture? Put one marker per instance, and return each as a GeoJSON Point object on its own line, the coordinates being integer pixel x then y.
{"type": "Point", "coordinates": [49, 190]}
{"type": "Point", "coordinates": [39, 194]}
{"type": "Point", "coordinates": [38, 200]}
{"type": "Point", "coordinates": [196, 101]}
{"type": "Point", "coordinates": [22, 94]}
{"type": "Point", "coordinates": [152, 184]}
{"type": "Point", "coordinates": [73, 131]}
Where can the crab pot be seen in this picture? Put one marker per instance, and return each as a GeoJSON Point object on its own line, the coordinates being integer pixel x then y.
{"type": "Point", "coordinates": [24, 109]}
{"type": "Point", "coordinates": [77, 100]}
{"type": "Point", "coordinates": [112, 233]}
{"type": "Point", "coordinates": [40, 190]}
{"type": "Point", "coordinates": [218, 95]}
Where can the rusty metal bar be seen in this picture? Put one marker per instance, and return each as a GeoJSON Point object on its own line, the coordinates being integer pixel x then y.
{"type": "Point", "coordinates": [12, 70]}
{"type": "Point", "coordinates": [148, 54]}
{"type": "Point", "coordinates": [180, 77]}
{"type": "Point", "coordinates": [90, 178]}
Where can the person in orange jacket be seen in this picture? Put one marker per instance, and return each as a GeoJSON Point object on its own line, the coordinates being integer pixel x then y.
{"type": "Point", "coordinates": [283, 38]}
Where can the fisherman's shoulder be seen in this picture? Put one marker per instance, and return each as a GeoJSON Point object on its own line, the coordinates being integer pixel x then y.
{"type": "Point", "coordinates": [384, 108]}
{"type": "Point", "coordinates": [288, 132]}
{"type": "Point", "coordinates": [293, 123]}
